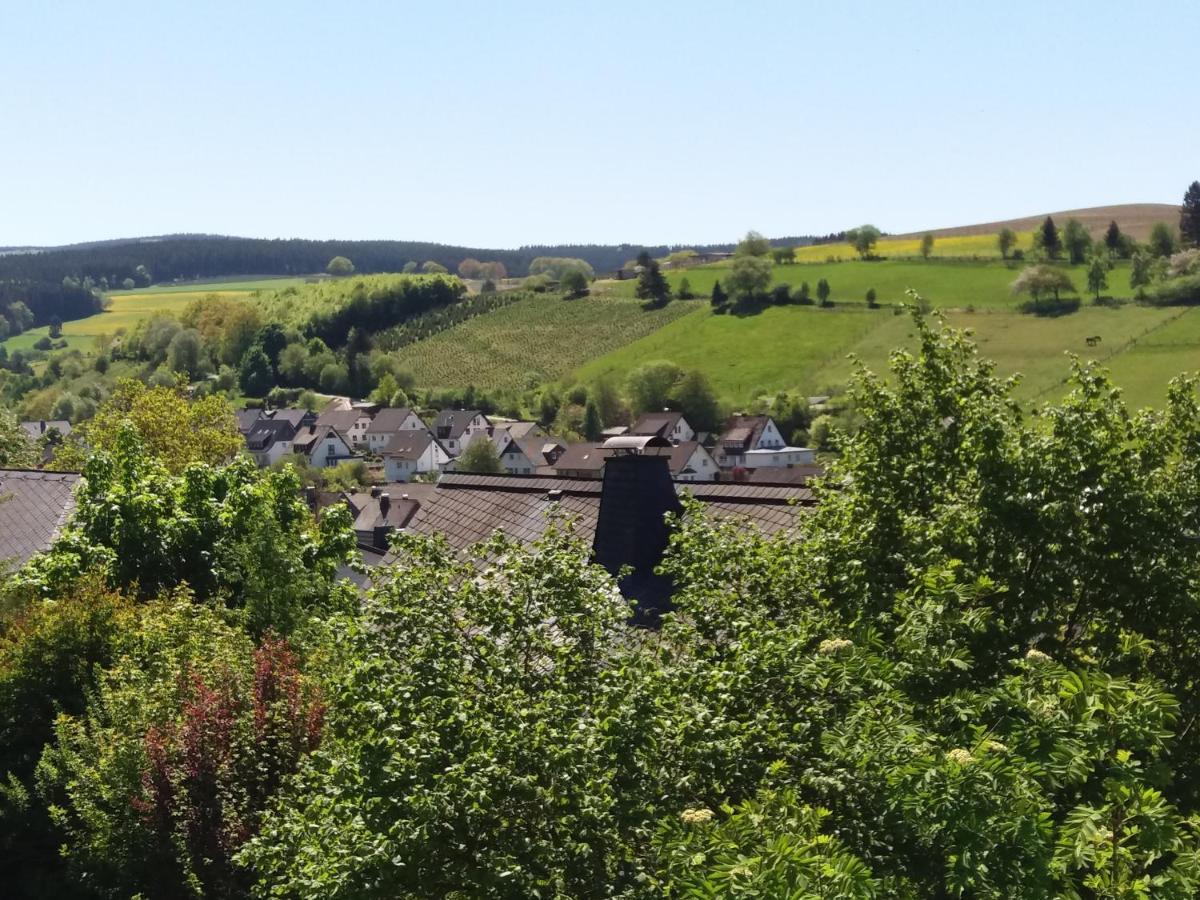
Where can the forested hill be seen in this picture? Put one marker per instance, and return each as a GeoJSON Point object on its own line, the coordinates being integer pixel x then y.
{"type": "Point", "coordinates": [205, 256]}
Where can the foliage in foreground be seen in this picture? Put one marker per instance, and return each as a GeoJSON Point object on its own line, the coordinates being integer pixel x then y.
{"type": "Point", "coordinates": [969, 675]}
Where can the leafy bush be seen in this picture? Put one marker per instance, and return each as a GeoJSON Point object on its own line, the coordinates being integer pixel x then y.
{"type": "Point", "coordinates": [1184, 291]}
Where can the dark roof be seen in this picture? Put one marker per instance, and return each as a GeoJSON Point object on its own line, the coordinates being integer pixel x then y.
{"type": "Point", "coordinates": [389, 419]}
{"type": "Point", "coordinates": [660, 423]}
{"type": "Point", "coordinates": [34, 506]}
{"type": "Point", "coordinates": [467, 508]}
{"type": "Point", "coordinates": [40, 427]}
{"type": "Point", "coordinates": [451, 423]}
{"type": "Point", "coordinates": [582, 457]}
{"type": "Point", "coordinates": [311, 435]}
{"type": "Point", "coordinates": [408, 444]}
{"type": "Point", "coordinates": [267, 431]}
{"type": "Point", "coordinates": [296, 417]}
{"type": "Point", "coordinates": [540, 449]}
{"type": "Point", "coordinates": [744, 430]}
{"type": "Point", "coordinates": [371, 513]}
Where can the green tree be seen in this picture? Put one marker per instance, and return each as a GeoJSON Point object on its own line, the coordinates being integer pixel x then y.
{"type": "Point", "coordinates": [167, 424]}
{"type": "Point", "coordinates": [651, 385]}
{"type": "Point", "coordinates": [863, 239]}
{"type": "Point", "coordinates": [872, 302]}
{"type": "Point", "coordinates": [823, 291]}
{"type": "Point", "coordinates": [1141, 270]}
{"type": "Point", "coordinates": [1112, 239]}
{"type": "Point", "coordinates": [652, 285]}
{"type": "Point", "coordinates": [685, 289]}
{"type": "Point", "coordinates": [339, 266]}
{"type": "Point", "coordinates": [1162, 241]}
{"type": "Point", "coordinates": [749, 277]}
{"type": "Point", "coordinates": [409, 267]}
{"type": "Point", "coordinates": [17, 451]}
{"type": "Point", "coordinates": [1041, 281]}
{"type": "Point", "coordinates": [1048, 240]}
{"type": "Point", "coordinates": [593, 424]}
{"type": "Point", "coordinates": [429, 267]}
{"type": "Point", "coordinates": [575, 283]}
{"type": "Point", "coordinates": [254, 372]}
{"type": "Point", "coordinates": [185, 354]}
{"type": "Point", "coordinates": [1006, 240]}
{"type": "Point", "coordinates": [695, 398]}
{"type": "Point", "coordinates": [1189, 215]}
{"type": "Point", "coordinates": [783, 256]}
{"type": "Point", "coordinates": [753, 244]}
{"type": "Point", "coordinates": [719, 299]}
{"type": "Point", "coordinates": [479, 456]}
{"type": "Point", "coordinates": [1097, 273]}
{"type": "Point", "coordinates": [926, 246]}
{"type": "Point", "coordinates": [1076, 241]}
{"type": "Point", "coordinates": [804, 294]}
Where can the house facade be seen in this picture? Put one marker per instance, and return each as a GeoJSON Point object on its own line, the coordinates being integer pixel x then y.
{"type": "Point", "coordinates": [322, 446]}
{"type": "Point", "coordinates": [669, 425]}
{"type": "Point", "coordinates": [456, 428]}
{"type": "Point", "coordinates": [411, 453]}
{"type": "Point", "coordinates": [746, 434]}
{"type": "Point", "coordinates": [388, 423]}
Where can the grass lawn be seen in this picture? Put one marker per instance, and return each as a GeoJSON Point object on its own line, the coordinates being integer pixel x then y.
{"type": "Point", "coordinates": [948, 283]}
{"type": "Point", "coordinates": [781, 347]}
{"type": "Point", "coordinates": [807, 348]}
{"type": "Point", "coordinates": [544, 335]}
{"type": "Point", "coordinates": [203, 286]}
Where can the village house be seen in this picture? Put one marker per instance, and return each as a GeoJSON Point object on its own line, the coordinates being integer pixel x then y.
{"type": "Point", "coordinates": [411, 453]}
{"type": "Point", "coordinates": [755, 442]}
{"type": "Point", "coordinates": [455, 428]}
{"type": "Point", "coordinates": [351, 422]}
{"type": "Point", "coordinates": [322, 446]}
{"type": "Point", "coordinates": [389, 422]}
{"type": "Point", "coordinates": [669, 425]}
{"type": "Point", "coordinates": [270, 440]}
{"type": "Point", "coordinates": [686, 461]}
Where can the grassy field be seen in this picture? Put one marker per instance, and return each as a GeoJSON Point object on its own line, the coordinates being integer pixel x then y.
{"type": "Point", "coordinates": [807, 348]}
{"type": "Point", "coordinates": [543, 335]}
{"type": "Point", "coordinates": [949, 284]}
{"type": "Point", "coordinates": [127, 308]}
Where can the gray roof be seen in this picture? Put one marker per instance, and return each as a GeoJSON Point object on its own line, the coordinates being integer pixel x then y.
{"type": "Point", "coordinates": [451, 423]}
{"type": "Point", "coordinates": [34, 506]}
{"type": "Point", "coordinates": [659, 423]}
{"type": "Point", "coordinates": [467, 508]}
{"type": "Point", "coordinates": [389, 419]}
{"type": "Point", "coordinates": [340, 420]}
{"type": "Point", "coordinates": [246, 419]}
{"type": "Point", "coordinates": [408, 444]}
{"type": "Point", "coordinates": [36, 429]}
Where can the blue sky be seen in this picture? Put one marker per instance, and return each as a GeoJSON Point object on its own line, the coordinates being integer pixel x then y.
{"type": "Point", "coordinates": [500, 124]}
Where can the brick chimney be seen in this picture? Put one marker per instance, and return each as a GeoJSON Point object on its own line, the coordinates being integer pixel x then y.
{"type": "Point", "coordinates": [631, 531]}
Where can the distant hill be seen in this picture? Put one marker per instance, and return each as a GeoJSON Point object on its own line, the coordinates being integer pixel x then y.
{"type": "Point", "coordinates": [1134, 219]}
{"type": "Point", "coordinates": [190, 257]}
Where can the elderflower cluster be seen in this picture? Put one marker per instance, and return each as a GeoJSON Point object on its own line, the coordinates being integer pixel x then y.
{"type": "Point", "coordinates": [960, 756]}
{"type": "Point", "coordinates": [1036, 656]}
{"type": "Point", "coordinates": [696, 816]}
{"type": "Point", "coordinates": [995, 747]}
{"type": "Point", "coordinates": [833, 646]}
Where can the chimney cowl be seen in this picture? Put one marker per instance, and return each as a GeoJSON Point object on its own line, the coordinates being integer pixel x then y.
{"type": "Point", "coordinates": [385, 501]}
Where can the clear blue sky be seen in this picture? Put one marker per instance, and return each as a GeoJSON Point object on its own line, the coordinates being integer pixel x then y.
{"type": "Point", "coordinates": [505, 123]}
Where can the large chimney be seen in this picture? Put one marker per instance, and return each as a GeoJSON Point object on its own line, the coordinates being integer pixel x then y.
{"type": "Point", "coordinates": [631, 529]}
{"type": "Point", "coordinates": [385, 501]}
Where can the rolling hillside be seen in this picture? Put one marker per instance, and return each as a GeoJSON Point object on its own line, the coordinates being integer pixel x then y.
{"type": "Point", "coordinates": [1134, 218]}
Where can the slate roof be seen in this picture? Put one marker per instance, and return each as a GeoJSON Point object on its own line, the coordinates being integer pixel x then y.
{"type": "Point", "coordinates": [677, 455]}
{"type": "Point", "coordinates": [34, 506]}
{"type": "Point", "coordinates": [36, 429]}
{"type": "Point", "coordinates": [340, 420]}
{"type": "Point", "coordinates": [408, 444]}
{"type": "Point", "coordinates": [451, 423]}
{"type": "Point", "coordinates": [467, 508]}
{"type": "Point", "coordinates": [784, 474]}
{"type": "Point", "coordinates": [295, 417]}
{"type": "Point", "coordinates": [309, 436]}
{"type": "Point", "coordinates": [388, 420]}
{"type": "Point", "coordinates": [660, 423]}
{"type": "Point", "coordinates": [266, 432]}
{"type": "Point", "coordinates": [582, 457]}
